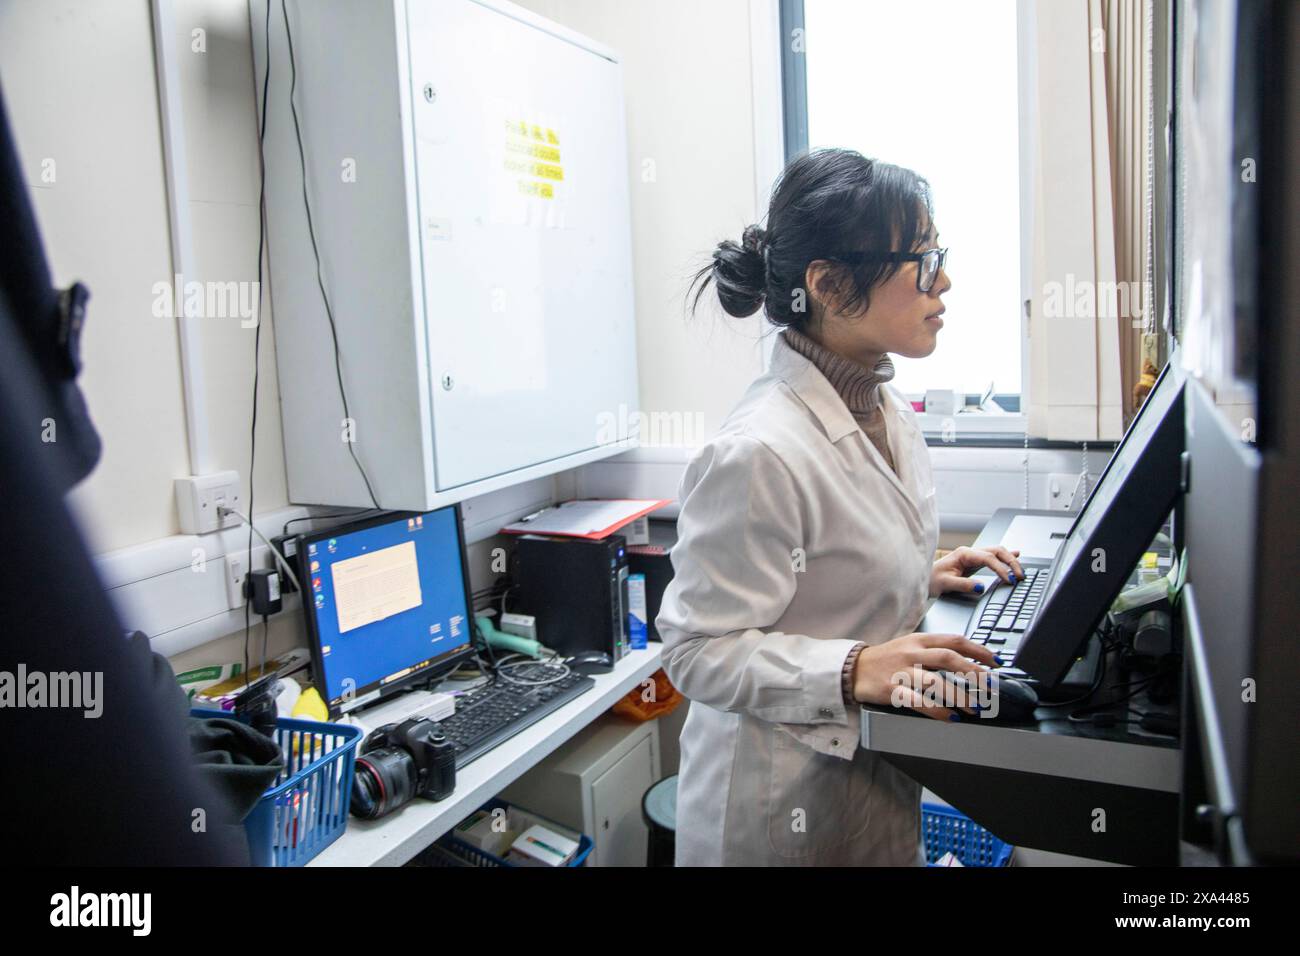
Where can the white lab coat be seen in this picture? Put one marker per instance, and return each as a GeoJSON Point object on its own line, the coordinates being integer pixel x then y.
{"type": "Point", "coordinates": [795, 540]}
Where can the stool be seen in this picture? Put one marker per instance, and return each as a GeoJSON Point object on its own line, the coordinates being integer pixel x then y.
{"type": "Point", "coordinates": [659, 810]}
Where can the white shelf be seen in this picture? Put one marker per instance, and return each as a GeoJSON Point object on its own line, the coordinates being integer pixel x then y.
{"type": "Point", "coordinates": [395, 839]}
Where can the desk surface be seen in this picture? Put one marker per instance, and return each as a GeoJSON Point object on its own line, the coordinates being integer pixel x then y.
{"type": "Point", "coordinates": [401, 835]}
{"type": "Point", "coordinates": [1053, 747]}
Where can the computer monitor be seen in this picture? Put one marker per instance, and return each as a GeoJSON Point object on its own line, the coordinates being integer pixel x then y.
{"type": "Point", "coordinates": [387, 604]}
{"type": "Point", "coordinates": [1130, 502]}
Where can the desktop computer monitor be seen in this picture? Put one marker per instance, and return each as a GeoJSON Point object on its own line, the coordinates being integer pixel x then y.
{"type": "Point", "coordinates": [1117, 523]}
{"type": "Point", "coordinates": [387, 604]}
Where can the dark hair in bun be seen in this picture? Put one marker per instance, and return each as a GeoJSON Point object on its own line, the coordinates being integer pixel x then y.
{"type": "Point", "coordinates": [825, 204]}
{"type": "Point", "coordinates": [738, 272]}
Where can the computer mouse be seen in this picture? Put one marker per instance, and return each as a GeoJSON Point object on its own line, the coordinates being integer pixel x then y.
{"type": "Point", "coordinates": [1013, 701]}
{"type": "Point", "coordinates": [1010, 701]}
{"type": "Point", "coordinates": [591, 662]}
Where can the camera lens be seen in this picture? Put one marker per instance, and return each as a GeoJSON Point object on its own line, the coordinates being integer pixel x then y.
{"type": "Point", "coordinates": [383, 781]}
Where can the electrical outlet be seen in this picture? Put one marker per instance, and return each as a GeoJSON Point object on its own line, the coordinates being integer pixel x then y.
{"type": "Point", "coordinates": [236, 572]}
{"type": "Point", "coordinates": [1061, 491]}
{"type": "Point", "coordinates": [200, 498]}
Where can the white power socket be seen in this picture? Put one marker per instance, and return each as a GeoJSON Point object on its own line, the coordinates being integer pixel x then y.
{"type": "Point", "coordinates": [200, 498]}
{"type": "Point", "coordinates": [236, 571]}
{"type": "Point", "coordinates": [1062, 490]}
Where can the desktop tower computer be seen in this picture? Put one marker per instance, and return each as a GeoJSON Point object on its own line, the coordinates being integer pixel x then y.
{"type": "Point", "coordinates": [576, 588]}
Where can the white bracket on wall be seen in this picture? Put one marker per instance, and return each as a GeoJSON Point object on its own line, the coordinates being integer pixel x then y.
{"type": "Point", "coordinates": [168, 74]}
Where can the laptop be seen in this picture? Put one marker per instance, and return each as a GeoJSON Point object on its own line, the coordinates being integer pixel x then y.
{"type": "Point", "coordinates": [1041, 625]}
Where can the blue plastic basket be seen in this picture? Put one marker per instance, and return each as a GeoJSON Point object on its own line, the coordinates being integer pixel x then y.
{"type": "Point", "coordinates": [470, 855]}
{"type": "Point", "coordinates": [306, 809]}
{"type": "Point", "coordinates": [947, 830]}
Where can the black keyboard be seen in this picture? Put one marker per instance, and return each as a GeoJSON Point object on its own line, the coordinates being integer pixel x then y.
{"type": "Point", "coordinates": [491, 715]}
{"type": "Point", "coordinates": [1005, 615]}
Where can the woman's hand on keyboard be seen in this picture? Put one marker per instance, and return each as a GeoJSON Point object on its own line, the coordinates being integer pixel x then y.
{"type": "Point", "coordinates": [951, 572]}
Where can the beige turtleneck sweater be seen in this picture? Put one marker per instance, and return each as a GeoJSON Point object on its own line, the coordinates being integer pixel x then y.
{"type": "Point", "coordinates": [857, 385]}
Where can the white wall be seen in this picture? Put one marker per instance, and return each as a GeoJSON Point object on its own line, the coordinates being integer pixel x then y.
{"type": "Point", "coordinates": [218, 102]}
{"type": "Point", "coordinates": [691, 162]}
{"type": "Point", "coordinates": [79, 85]}
{"type": "Point", "coordinates": [79, 80]}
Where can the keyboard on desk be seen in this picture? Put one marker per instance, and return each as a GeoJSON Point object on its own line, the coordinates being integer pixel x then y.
{"type": "Point", "coordinates": [493, 714]}
{"type": "Point", "coordinates": [1004, 616]}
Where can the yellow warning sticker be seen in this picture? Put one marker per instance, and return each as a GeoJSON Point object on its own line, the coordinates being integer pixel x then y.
{"type": "Point", "coordinates": [530, 181]}
{"type": "Point", "coordinates": [544, 190]}
{"type": "Point", "coordinates": [538, 170]}
{"type": "Point", "coordinates": [532, 153]}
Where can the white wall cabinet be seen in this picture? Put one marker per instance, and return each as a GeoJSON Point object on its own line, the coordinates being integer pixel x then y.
{"type": "Point", "coordinates": [466, 166]}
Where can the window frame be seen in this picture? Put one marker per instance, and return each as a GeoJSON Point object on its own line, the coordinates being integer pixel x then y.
{"type": "Point", "coordinates": [974, 427]}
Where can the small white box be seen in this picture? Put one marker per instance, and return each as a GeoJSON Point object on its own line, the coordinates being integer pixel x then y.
{"type": "Point", "coordinates": [483, 830]}
{"type": "Point", "coordinates": [942, 401]}
{"type": "Point", "coordinates": [538, 846]}
{"type": "Point", "coordinates": [636, 612]}
{"type": "Point", "coordinates": [520, 625]}
{"type": "Point", "coordinates": [638, 532]}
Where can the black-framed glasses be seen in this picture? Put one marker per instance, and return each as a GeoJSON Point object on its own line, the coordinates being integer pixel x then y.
{"type": "Point", "coordinates": [931, 261]}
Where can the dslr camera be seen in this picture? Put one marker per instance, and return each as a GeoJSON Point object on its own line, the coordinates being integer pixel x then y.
{"type": "Point", "coordinates": [399, 762]}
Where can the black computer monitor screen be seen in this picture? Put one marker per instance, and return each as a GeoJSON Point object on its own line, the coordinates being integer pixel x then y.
{"type": "Point", "coordinates": [1132, 499]}
{"type": "Point", "coordinates": [386, 602]}
{"type": "Point", "coordinates": [1117, 470]}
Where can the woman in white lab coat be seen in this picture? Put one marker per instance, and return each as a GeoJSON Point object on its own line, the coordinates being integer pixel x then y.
{"type": "Point", "coordinates": [807, 533]}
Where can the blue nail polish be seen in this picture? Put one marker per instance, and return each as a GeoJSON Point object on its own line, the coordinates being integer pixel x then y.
{"type": "Point", "coordinates": [998, 658]}
{"type": "Point", "coordinates": [1012, 576]}
{"type": "Point", "coordinates": [979, 589]}
{"type": "Point", "coordinates": [954, 717]}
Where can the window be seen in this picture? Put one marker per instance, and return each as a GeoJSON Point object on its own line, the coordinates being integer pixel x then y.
{"type": "Point", "coordinates": [934, 87]}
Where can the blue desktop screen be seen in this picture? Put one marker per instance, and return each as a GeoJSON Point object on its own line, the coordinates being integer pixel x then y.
{"type": "Point", "coordinates": [386, 599]}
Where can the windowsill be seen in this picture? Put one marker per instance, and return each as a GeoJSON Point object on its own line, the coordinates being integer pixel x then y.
{"type": "Point", "coordinates": [978, 429]}
{"type": "Point", "coordinates": [988, 423]}
{"type": "Point", "coordinates": [988, 430]}
{"type": "Point", "coordinates": [1002, 440]}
